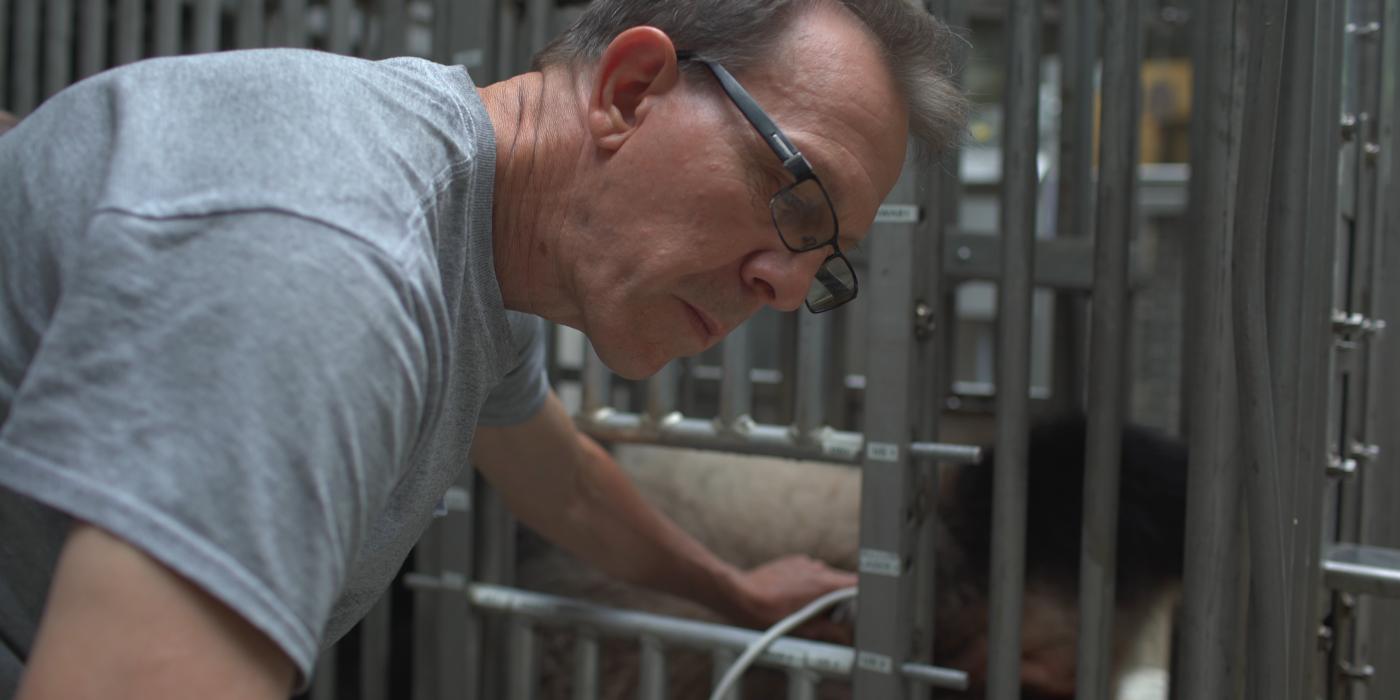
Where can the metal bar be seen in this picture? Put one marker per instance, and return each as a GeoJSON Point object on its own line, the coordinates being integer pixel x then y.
{"type": "Point", "coordinates": [374, 651]}
{"type": "Point", "coordinates": [5, 66]}
{"type": "Point", "coordinates": [596, 382]}
{"type": "Point", "coordinates": [813, 340]}
{"type": "Point", "coordinates": [167, 28]}
{"type": "Point", "coordinates": [393, 25]}
{"type": "Point", "coordinates": [736, 385]}
{"type": "Point", "coordinates": [1060, 263]}
{"type": "Point", "coordinates": [294, 21]}
{"type": "Point", "coordinates": [1209, 645]}
{"type": "Point", "coordinates": [721, 660]}
{"type": "Point", "coordinates": [889, 476]}
{"type": "Point", "coordinates": [652, 681]}
{"type": "Point", "coordinates": [1363, 569]}
{"type": "Point", "coordinates": [661, 395]}
{"type": "Point", "coordinates": [826, 660]}
{"type": "Point", "coordinates": [323, 685]}
{"type": "Point", "coordinates": [523, 660]}
{"type": "Point", "coordinates": [58, 46]}
{"type": "Point", "coordinates": [540, 14]}
{"type": "Point", "coordinates": [1017, 213]}
{"type": "Point", "coordinates": [206, 26]}
{"type": "Point", "coordinates": [131, 18]}
{"type": "Point", "coordinates": [1074, 210]}
{"type": "Point", "coordinates": [585, 664]}
{"type": "Point", "coordinates": [1108, 373]}
{"type": "Point", "coordinates": [495, 563]}
{"type": "Point", "coordinates": [802, 685]}
{"type": "Point", "coordinates": [26, 61]}
{"type": "Point", "coordinates": [249, 30]}
{"type": "Point", "coordinates": [1264, 24]}
{"type": "Point", "coordinates": [753, 438]}
{"type": "Point", "coordinates": [338, 36]}
{"type": "Point", "coordinates": [92, 37]}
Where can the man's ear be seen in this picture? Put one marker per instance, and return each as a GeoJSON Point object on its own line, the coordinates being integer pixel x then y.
{"type": "Point", "coordinates": [639, 65]}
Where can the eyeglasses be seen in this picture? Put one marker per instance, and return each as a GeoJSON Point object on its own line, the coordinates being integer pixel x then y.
{"type": "Point", "coordinates": [802, 211]}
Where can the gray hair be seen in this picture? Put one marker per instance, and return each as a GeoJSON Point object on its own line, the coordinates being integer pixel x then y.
{"type": "Point", "coordinates": [919, 49]}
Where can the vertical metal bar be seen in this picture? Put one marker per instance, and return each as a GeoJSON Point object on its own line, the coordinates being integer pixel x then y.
{"type": "Point", "coordinates": [813, 341]}
{"type": "Point", "coordinates": [736, 386]}
{"type": "Point", "coordinates": [652, 684]}
{"type": "Point", "coordinates": [495, 563]}
{"type": "Point", "coordinates": [1079, 52]}
{"type": "Point", "coordinates": [374, 652]}
{"type": "Point", "coordinates": [294, 21]}
{"type": "Point", "coordinates": [26, 65]}
{"type": "Point", "coordinates": [206, 26]}
{"type": "Point", "coordinates": [338, 37]}
{"type": "Point", "coordinates": [393, 24]}
{"type": "Point", "coordinates": [6, 65]}
{"type": "Point", "coordinates": [92, 37]}
{"type": "Point", "coordinates": [1019, 184]}
{"type": "Point", "coordinates": [585, 665]}
{"type": "Point", "coordinates": [596, 380]}
{"type": "Point", "coordinates": [58, 46]}
{"type": "Point", "coordinates": [802, 685]}
{"type": "Point", "coordinates": [131, 18]}
{"type": "Point", "coordinates": [661, 394]}
{"type": "Point", "coordinates": [888, 517]}
{"type": "Point", "coordinates": [323, 685]}
{"type": "Point", "coordinates": [1263, 23]}
{"type": "Point", "coordinates": [721, 661]}
{"type": "Point", "coordinates": [249, 31]}
{"type": "Point", "coordinates": [1108, 385]}
{"type": "Point", "coordinates": [524, 660]}
{"type": "Point", "coordinates": [167, 27]}
{"type": "Point", "coordinates": [448, 635]}
{"type": "Point", "coordinates": [540, 14]}
{"type": "Point", "coordinates": [1207, 667]}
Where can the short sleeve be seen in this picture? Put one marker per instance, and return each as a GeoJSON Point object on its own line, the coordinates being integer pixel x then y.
{"type": "Point", "coordinates": [521, 393]}
{"type": "Point", "coordinates": [234, 395]}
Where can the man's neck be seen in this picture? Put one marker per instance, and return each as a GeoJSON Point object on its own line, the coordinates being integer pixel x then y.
{"type": "Point", "coordinates": [529, 210]}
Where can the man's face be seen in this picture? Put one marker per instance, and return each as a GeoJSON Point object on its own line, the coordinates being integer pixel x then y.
{"type": "Point", "coordinates": [678, 244]}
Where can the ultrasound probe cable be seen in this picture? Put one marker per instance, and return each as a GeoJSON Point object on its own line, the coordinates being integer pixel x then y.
{"type": "Point", "coordinates": [783, 626]}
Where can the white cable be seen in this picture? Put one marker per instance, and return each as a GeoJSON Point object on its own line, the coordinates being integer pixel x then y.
{"type": "Point", "coordinates": [783, 626]}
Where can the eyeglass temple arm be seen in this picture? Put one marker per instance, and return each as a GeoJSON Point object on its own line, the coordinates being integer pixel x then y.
{"type": "Point", "coordinates": [793, 160]}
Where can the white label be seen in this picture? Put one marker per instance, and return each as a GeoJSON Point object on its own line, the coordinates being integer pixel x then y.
{"type": "Point", "coordinates": [880, 562]}
{"type": "Point", "coordinates": [871, 661]}
{"type": "Point", "coordinates": [882, 451]}
{"type": "Point", "coordinates": [897, 214]}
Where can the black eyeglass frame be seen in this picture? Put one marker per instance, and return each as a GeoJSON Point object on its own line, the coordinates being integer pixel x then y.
{"type": "Point", "coordinates": [793, 162]}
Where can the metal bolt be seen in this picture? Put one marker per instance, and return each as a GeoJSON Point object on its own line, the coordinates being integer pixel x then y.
{"type": "Point", "coordinates": [964, 253]}
{"type": "Point", "coordinates": [1368, 29]}
{"type": "Point", "coordinates": [1336, 466]}
{"type": "Point", "coordinates": [923, 320]}
{"type": "Point", "coordinates": [1365, 452]}
{"type": "Point", "coordinates": [1371, 151]}
{"type": "Point", "coordinates": [1356, 672]}
{"type": "Point", "coordinates": [1348, 126]}
{"type": "Point", "coordinates": [1324, 638]}
{"type": "Point", "coordinates": [1347, 324]}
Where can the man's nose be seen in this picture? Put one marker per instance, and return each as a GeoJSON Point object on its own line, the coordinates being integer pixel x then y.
{"type": "Point", "coordinates": [781, 278]}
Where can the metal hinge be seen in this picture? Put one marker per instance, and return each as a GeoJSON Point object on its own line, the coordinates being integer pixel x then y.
{"type": "Point", "coordinates": [1336, 466]}
{"type": "Point", "coordinates": [1367, 30]}
{"type": "Point", "coordinates": [923, 320]}
{"type": "Point", "coordinates": [1347, 325]}
{"type": "Point", "coordinates": [1357, 672]}
{"type": "Point", "coordinates": [447, 581]}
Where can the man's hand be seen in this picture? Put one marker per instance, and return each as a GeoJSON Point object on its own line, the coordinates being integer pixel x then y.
{"type": "Point", "coordinates": [781, 587]}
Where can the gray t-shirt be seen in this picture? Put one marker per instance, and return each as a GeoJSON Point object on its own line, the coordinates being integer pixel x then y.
{"type": "Point", "coordinates": [248, 322]}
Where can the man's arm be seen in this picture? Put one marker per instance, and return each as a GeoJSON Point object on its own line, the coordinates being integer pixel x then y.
{"type": "Point", "coordinates": [119, 625]}
{"type": "Point", "coordinates": [569, 489]}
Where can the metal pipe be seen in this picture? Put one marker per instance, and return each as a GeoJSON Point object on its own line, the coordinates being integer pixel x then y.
{"type": "Point", "coordinates": [392, 28]}
{"type": "Point", "coordinates": [755, 438]}
{"type": "Point", "coordinates": [294, 21]}
{"type": "Point", "coordinates": [541, 13]}
{"type": "Point", "coordinates": [1268, 633]}
{"type": "Point", "coordinates": [58, 46]}
{"type": "Point", "coordinates": [736, 385]}
{"type": "Point", "coordinates": [206, 25]}
{"type": "Point", "coordinates": [585, 664]}
{"type": "Point", "coordinates": [338, 36]}
{"type": "Point", "coordinates": [1208, 641]}
{"type": "Point", "coordinates": [167, 28]}
{"type": "Point", "coordinates": [721, 660]}
{"type": "Point", "coordinates": [249, 30]}
{"type": "Point", "coordinates": [524, 661]}
{"type": "Point", "coordinates": [596, 382]}
{"type": "Point", "coordinates": [826, 660]}
{"type": "Point", "coordinates": [5, 51]}
{"type": "Point", "coordinates": [26, 60]}
{"type": "Point", "coordinates": [1108, 385]}
{"type": "Point", "coordinates": [1020, 179]}
{"type": "Point", "coordinates": [813, 339]}
{"type": "Point", "coordinates": [661, 396]}
{"type": "Point", "coordinates": [92, 37]}
{"type": "Point", "coordinates": [802, 685]}
{"type": "Point", "coordinates": [652, 680]}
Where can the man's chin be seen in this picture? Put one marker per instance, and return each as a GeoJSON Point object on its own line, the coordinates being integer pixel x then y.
{"type": "Point", "coordinates": [632, 365]}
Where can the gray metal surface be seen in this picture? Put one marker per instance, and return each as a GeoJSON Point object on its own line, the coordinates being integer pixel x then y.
{"type": "Point", "coordinates": [8, 65]}
{"type": "Point", "coordinates": [735, 388]}
{"type": "Point", "coordinates": [814, 342]}
{"type": "Point", "coordinates": [721, 660]}
{"type": "Point", "coordinates": [25, 69]}
{"type": "Point", "coordinates": [338, 34]}
{"type": "Point", "coordinates": [167, 27]}
{"type": "Point", "coordinates": [652, 680]}
{"type": "Point", "coordinates": [293, 16]}
{"type": "Point", "coordinates": [58, 45]}
{"type": "Point", "coordinates": [248, 31]}
{"type": "Point", "coordinates": [1364, 569]}
{"type": "Point", "coordinates": [585, 681]}
{"type": "Point", "coordinates": [524, 670]}
{"type": "Point", "coordinates": [375, 648]}
{"type": "Point", "coordinates": [206, 25]}
{"type": "Point", "coordinates": [802, 685]}
{"type": "Point", "coordinates": [1108, 385]}
{"type": "Point", "coordinates": [1018, 206]}
{"type": "Point", "coordinates": [826, 660]}
{"type": "Point", "coordinates": [1209, 659]}
{"type": "Point", "coordinates": [393, 23]}
{"type": "Point", "coordinates": [888, 522]}
{"type": "Point", "coordinates": [661, 395]}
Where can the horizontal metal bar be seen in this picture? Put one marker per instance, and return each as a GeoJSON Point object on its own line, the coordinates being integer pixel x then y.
{"type": "Point", "coordinates": [826, 660]}
{"type": "Point", "coordinates": [1060, 263]}
{"type": "Point", "coordinates": [749, 437]}
{"type": "Point", "coordinates": [1363, 569]}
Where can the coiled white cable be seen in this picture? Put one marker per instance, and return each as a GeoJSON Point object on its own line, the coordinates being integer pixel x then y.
{"type": "Point", "coordinates": [783, 626]}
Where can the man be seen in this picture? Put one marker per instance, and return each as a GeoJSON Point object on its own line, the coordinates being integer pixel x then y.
{"type": "Point", "coordinates": [259, 308]}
